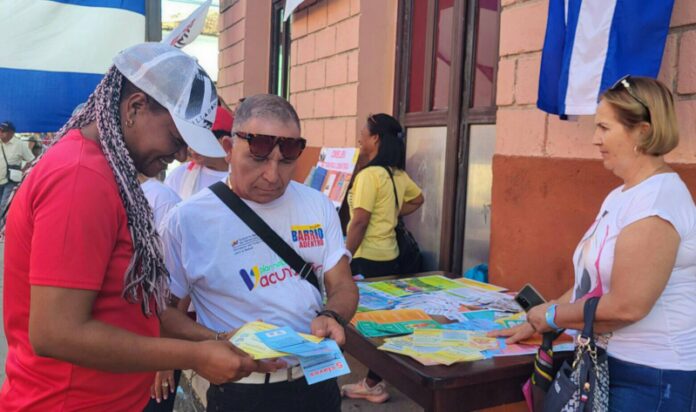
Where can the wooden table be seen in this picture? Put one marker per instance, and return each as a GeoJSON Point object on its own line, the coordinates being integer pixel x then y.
{"type": "Point", "coordinates": [463, 386]}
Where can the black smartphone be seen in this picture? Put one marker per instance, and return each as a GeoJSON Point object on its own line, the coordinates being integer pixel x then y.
{"type": "Point", "coordinates": [528, 297]}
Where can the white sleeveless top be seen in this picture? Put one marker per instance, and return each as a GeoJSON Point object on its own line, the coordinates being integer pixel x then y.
{"type": "Point", "coordinates": [666, 337]}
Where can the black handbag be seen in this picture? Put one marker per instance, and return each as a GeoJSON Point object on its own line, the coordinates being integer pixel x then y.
{"type": "Point", "coordinates": [410, 259]}
{"type": "Point", "coordinates": [584, 385]}
{"type": "Point", "coordinates": [268, 235]}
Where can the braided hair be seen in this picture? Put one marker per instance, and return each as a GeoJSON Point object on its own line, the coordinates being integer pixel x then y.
{"type": "Point", "coordinates": [146, 276]}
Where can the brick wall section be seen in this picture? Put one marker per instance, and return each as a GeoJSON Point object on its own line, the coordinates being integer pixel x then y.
{"type": "Point", "coordinates": [523, 130]}
{"type": "Point", "coordinates": [231, 59]}
{"type": "Point", "coordinates": [324, 71]}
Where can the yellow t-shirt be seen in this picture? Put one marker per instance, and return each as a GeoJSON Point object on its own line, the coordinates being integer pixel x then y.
{"type": "Point", "coordinates": [373, 191]}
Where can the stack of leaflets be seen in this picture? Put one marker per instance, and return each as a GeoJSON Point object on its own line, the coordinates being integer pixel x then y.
{"type": "Point", "coordinates": [392, 322]}
{"type": "Point", "coordinates": [320, 359]}
{"type": "Point", "coordinates": [435, 295]}
{"type": "Point", "coordinates": [402, 307]}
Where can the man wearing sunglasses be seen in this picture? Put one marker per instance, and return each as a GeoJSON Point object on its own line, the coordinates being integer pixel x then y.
{"type": "Point", "coordinates": [233, 277]}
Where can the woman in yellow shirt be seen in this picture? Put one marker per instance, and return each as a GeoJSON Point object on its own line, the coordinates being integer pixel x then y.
{"type": "Point", "coordinates": [373, 217]}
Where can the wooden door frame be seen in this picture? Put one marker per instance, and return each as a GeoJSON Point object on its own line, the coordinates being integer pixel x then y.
{"type": "Point", "coordinates": [457, 118]}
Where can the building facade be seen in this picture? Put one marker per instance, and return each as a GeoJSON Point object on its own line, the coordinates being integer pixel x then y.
{"type": "Point", "coordinates": [505, 183]}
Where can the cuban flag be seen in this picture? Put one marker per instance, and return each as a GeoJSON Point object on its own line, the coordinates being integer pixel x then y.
{"type": "Point", "coordinates": [53, 54]}
{"type": "Point", "coordinates": [590, 44]}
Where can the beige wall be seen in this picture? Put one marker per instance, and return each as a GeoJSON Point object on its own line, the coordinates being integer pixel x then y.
{"type": "Point", "coordinates": [341, 62]}
{"type": "Point", "coordinates": [342, 67]}
{"type": "Point", "coordinates": [324, 70]}
{"type": "Point", "coordinates": [244, 43]}
{"type": "Point", "coordinates": [376, 61]}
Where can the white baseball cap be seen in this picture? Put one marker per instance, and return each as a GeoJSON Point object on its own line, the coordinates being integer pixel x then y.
{"type": "Point", "coordinates": [177, 82]}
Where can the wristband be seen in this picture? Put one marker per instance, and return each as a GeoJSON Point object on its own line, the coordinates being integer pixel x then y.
{"type": "Point", "coordinates": [333, 315]}
{"type": "Point", "coordinates": [551, 316]}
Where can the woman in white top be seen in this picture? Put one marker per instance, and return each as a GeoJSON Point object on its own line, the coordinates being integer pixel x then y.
{"type": "Point", "coordinates": [639, 255]}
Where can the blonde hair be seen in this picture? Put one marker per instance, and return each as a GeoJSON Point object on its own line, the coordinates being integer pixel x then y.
{"type": "Point", "coordinates": [663, 135]}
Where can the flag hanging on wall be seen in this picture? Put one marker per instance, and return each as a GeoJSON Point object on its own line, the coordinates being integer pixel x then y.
{"type": "Point", "coordinates": [54, 52]}
{"type": "Point", "coordinates": [590, 44]}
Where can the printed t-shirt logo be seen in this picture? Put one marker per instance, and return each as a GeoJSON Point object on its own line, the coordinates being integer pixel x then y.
{"type": "Point", "coordinates": [266, 275]}
{"type": "Point", "coordinates": [307, 236]}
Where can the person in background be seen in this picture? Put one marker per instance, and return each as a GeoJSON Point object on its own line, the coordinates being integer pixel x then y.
{"type": "Point", "coordinates": [84, 278]}
{"type": "Point", "coordinates": [34, 144]}
{"type": "Point", "coordinates": [639, 255]}
{"type": "Point", "coordinates": [374, 215]}
{"type": "Point", "coordinates": [14, 153]}
{"type": "Point", "coordinates": [160, 197]}
{"type": "Point", "coordinates": [202, 171]}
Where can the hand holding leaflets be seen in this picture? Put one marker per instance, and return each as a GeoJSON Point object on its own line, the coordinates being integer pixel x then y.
{"type": "Point", "coordinates": [320, 359]}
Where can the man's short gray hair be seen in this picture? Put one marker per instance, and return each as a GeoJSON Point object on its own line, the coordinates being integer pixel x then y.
{"type": "Point", "coordinates": [267, 107]}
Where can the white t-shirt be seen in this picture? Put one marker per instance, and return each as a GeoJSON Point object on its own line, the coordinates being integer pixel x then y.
{"type": "Point", "coordinates": [666, 337]}
{"type": "Point", "coordinates": [160, 197]}
{"type": "Point", "coordinates": [17, 153]}
{"type": "Point", "coordinates": [232, 276]}
{"type": "Point", "coordinates": [188, 179]}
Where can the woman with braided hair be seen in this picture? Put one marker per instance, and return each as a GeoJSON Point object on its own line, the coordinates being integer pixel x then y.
{"type": "Point", "coordinates": [84, 276]}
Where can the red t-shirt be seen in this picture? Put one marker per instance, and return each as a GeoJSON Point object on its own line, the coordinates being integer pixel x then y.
{"type": "Point", "coordinates": [67, 228]}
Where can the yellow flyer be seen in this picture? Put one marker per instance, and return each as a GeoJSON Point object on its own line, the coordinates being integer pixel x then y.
{"type": "Point", "coordinates": [480, 285]}
{"type": "Point", "coordinates": [245, 339]}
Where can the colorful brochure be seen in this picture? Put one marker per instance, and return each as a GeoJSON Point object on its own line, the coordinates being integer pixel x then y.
{"type": "Point", "coordinates": [371, 329]}
{"type": "Point", "coordinates": [407, 287]}
{"type": "Point", "coordinates": [391, 316]}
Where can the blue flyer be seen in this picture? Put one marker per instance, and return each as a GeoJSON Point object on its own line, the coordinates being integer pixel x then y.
{"type": "Point", "coordinates": [323, 367]}
{"type": "Point", "coordinates": [286, 340]}
{"type": "Point", "coordinates": [320, 361]}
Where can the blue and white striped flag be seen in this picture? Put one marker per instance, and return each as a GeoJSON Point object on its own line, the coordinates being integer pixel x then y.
{"type": "Point", "coordinates": [590, 44]}
{"type": "Point", "coordinates": [54, 52]}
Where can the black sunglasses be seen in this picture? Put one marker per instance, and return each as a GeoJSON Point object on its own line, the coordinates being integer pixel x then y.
{"type": "Point", "coordinates": [261, 145]}
{"type": "Point", "coordinates": [625, 82]}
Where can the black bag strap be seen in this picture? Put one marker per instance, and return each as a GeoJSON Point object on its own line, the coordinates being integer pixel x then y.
{"type": "Point", "coordinates": [268, 235]}
{"type": "Point", "coordinates": [396, 197]}
{"type": "Point", "coordinates": [589, 312]}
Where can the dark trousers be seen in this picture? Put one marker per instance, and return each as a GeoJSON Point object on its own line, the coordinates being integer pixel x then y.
{"type": "Point", "coordinates": [295, 396]}
{"type": "Point", "coordinates": [374, 268]}
{"type": "Point", "coordinates": [166, 405]}
{"type": "Point", "coordinates": [5, 192]}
